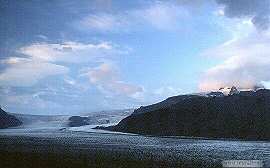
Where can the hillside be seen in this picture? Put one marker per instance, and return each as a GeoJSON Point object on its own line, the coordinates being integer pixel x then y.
{"type": "Point", "coordinates": [243, 115]}
{"type": "Point", "coordinates": [7, 120]}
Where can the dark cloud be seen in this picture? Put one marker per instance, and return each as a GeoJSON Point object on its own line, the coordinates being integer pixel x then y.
{"type": "Point", "coordinates": [258, 10]}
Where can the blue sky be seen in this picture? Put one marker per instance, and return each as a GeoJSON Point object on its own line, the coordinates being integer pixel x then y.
{"type": "Point", "coordinates": [65, 57]}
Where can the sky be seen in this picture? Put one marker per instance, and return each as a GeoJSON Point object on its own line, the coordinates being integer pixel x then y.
{"type": "Point", "coordinates": [69, 57]}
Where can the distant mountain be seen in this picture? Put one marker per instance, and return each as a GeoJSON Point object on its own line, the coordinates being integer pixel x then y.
{"type": "Point", "coordinates": [81, 122]}
{"type": "Point", "coordinates": [240, 114]}
{"type": "Point", "coordinates": [99, 118]}
{"type": "Point", "coordinates": [42, 122]}
{"type": "Point", "coordinates": [7, 120]}
{"type": "Point", "coordinates": [77, 121]}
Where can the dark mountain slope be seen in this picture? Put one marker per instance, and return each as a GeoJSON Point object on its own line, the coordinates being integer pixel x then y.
{"type": "Point", "coordinates": [245, 115]}
{"type": "Point", "coordinates": [7, 120]}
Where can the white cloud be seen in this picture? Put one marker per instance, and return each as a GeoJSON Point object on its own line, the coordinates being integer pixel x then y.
{"type": "Point", "coordinates": [160, 15]}
{"type": "Point", "coordinates": [246, 62]}
{"type": "Point", "coordinates": [106, 78]}
{"type": "Point", "coordinates": [72, 52]}
{"type": "Point", "coordinates": [104, 22]}
{"type": "Point", "coordinates": [70, 81]}
{"type": "Point", "coordinates": [27, 72]}
{"type": "Point", "coordinates": [44, 59]}
{"type": "Point", "coordinates": [43, 37]}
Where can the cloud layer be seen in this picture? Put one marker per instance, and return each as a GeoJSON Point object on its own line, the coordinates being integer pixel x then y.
{"type": "Point", "coordinates": [48, 74]}
{"type": "Point", "coordinates": [27, 72]}
{"type": "Point", "coordinates": [246, 63]}
{"type": "Point", "coordinates": [106, 78]}
{"type": "Point", "coordinates": [245, 56]}
{"type": "Point", "coordinates": [70, 52]}
{"type": "Point", "coordinates": [257, 10]}
{"type": "Point", "coordinates": [158, 15]}
{"type": "Point", "coordinates": [41, 60]}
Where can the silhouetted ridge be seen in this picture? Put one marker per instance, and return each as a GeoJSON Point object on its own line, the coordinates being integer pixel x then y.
{"type": "Point", "coordinates": [244, 115]}
{"type": "Point", "coordinates": [7, 120]}
{"type": "Point", "coordinates": [164, 104]}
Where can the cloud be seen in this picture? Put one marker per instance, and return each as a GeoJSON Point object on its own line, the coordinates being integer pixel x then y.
{"type": "Point", "coordinates": [27, 72]}
{"type": "Point", "coordinates": [71, 52]}
{"type": "Point", "coordinates": [257, 10]}
{"type": "Point", "coordinates": [162, 15]}
{"type": "Point", "coordinates": [42, 37]}
{"type": "Point", "coordinates": [246, 63]}
{"type": "Point", "coordinates": [42, 60]}
{"type": "Point", "coordinates": [29, 103]}
{"type": "Point", "coordinates": [245, 57]}
{"type": "Point", "coordinates": [159, 15]}
{"type": "Point", "coordinates": [106, 78]}
{"type": "Point", "coordinates": [105, 22]}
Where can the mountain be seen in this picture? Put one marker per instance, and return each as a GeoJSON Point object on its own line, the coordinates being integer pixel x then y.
{"type": "Point", "coordinates": [99, 118]}
{"type": "Point", "coordinates": [48, 123]}
{"type": "Point", "coordinates": [77, 121]}
{"type": "Point", "coordinates": [240, 115]}
{"type": "Point", "coordinates": [33, 122]}
{"type": "Point", "coordinates": [7, 120]}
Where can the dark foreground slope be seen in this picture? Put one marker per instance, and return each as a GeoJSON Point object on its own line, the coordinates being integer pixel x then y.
{"type": "Point", "coordinates": [7, 120]}
{"type": "Point", "coordinates": [245, 115]}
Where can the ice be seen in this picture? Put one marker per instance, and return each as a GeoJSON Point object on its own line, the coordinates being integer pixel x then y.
{"type": "Point", "coordinates": [52, 123]}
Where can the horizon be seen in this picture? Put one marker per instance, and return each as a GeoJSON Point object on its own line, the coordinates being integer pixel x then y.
{"type": "Point", "coordinates": [225, 92]}
{"type": "Point", "coordinates": [61, 58]}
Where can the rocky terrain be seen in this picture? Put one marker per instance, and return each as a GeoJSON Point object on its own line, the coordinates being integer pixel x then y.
{"type": "Point", "coordinates": [239, 114]}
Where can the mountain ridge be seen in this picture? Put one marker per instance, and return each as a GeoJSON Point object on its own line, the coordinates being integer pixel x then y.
{"type": "Point", "coordinates": [8, 120]}
{"type": "Point", "coordinates": [242, 115]}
